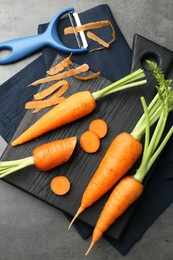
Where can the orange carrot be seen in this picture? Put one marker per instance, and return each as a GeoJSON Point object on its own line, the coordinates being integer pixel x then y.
{"type": "Point", "coordinates": [99, 126]}
{"type": "Point", "coordinates": [45, 157]}
{"type": "Point", "coordinates": [121, 155]}
{"type": "Point", "coordinates": [76, 106]}
{"type": "Point", "coordinates": [71, 109]}
{"type": "Point", "coordinates": [127, 191]}
{"type": "Point", "coordinates": [50, 155]}
{"type": "Point", "coordinates": [90, 142]}
{"type": "Point", "coordinates": [60, 185]}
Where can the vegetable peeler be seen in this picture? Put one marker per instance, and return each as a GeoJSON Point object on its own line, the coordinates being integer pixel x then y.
{"type": "Point", "coordinates": [21, 47]}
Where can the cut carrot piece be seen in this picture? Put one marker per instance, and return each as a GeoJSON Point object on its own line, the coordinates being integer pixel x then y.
{"type": "Point", "coordinates": [87, 26]}
{"type": "Point", "coordinates": [50, 90]}
{"type": "Point", "coordinates": [92, 76]}
{"type": "Point", "coordinates": [99, 127]}
{"type": "Point", "coordinates": [95, 38]}
{"type": "Point", "coordinates": [60, 66]}
{"type": "Point", "coordinates": [90, 142]}
{"type": "Point", "coordinates": [71, 72]}
{"type": "Point", "coordinates": [60, 185]}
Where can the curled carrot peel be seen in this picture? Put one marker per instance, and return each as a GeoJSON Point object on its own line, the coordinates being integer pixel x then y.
{"type": "Point", "coordinates": [68, 73]}
{"type": "Point", "coordinates": [60, 66]}
{"type": "Point", "coordinates": [48, 91]}
{"type": "Point", "coordinates": [94, 37]}
{"type": "Point", "coordinates": [45, 157]}
{"type": "Point", "coordinates": [76, 106]}
{"type": "Point", "coordinates": [92, 76]}
{"type": "Point", "coordinates": [93, 25]}
{"type": "Point", "coordinates": [88, 26]}
{"type": "Point", "coordinates": [39, 104]}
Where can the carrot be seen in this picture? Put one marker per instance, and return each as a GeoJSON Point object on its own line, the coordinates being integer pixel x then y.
{"type": "Point", "coordinates": [124, 194]}
{"type": "Point", "coordinates": [119, 158]}
{"type": "Point", "coordinates": [60, 185]}
{"type": "Point", "coordinates": [99, 126]}
{"type": "Point", "coordinates": [45, 157]}
{"type": "Point", "coordinates": [130, 188]}
{"type": "Point", "coordinates": [72, 108]}
{"type": "Point", "coordinates": [90, 142]}
{"type": "Point", "coordinates": [76, 106]}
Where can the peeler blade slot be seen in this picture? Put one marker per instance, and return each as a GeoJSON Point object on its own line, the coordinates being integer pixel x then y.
{"type": "Point", "coordinates": [80, 37]}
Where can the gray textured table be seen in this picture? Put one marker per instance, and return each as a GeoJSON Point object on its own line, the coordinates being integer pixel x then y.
{"type": "Point", "coordinates": [31, 229]}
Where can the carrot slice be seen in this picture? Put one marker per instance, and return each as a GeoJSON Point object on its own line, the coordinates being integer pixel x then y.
{"type": "Point", "coordinates": [60, 185]}
{"type": "Point", "coordinates": [90, 142]}
{"type": "Point", "coordinates": [71, 72]}
{"type": "Point", "coordinates": [95, 38]}
{"type": "Point", "coordinates": [60, 66]}
{"type": "Point", "coordinates": [87, 26]}
{"type": "Point", "coordinates": [50, 90]}
{"type": "Point", "coordinates": [99, 127]}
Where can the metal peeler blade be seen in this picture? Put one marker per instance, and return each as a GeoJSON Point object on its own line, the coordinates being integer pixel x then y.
{"type": "Point", "coordinates": [80, 37]}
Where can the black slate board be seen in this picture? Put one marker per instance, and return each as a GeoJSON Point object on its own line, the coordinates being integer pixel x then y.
{"type": "Point", "coordinates": [120, 110]}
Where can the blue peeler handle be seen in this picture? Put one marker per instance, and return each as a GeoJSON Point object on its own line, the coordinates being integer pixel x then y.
{"type": "Point", "coordinates": [22, 47]}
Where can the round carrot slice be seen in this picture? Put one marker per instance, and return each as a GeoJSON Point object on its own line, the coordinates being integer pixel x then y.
{"type": "Point", "coordinates": [60, 185]}
{"type": "Point", "coordinates": [89, 142]}
{"type": "Point", "coordinates": [99, 127]}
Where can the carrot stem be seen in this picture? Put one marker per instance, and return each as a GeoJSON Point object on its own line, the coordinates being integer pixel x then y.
{"type": "Point", "coordinates": [9, 167]}
{"type": "Point", "coordinates": [126, 82]}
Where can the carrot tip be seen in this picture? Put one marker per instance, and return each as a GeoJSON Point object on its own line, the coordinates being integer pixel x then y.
{"type": "Point", "coordinates": [80, 210]}
{"type": "Point", "coordinates": [91, 245]}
